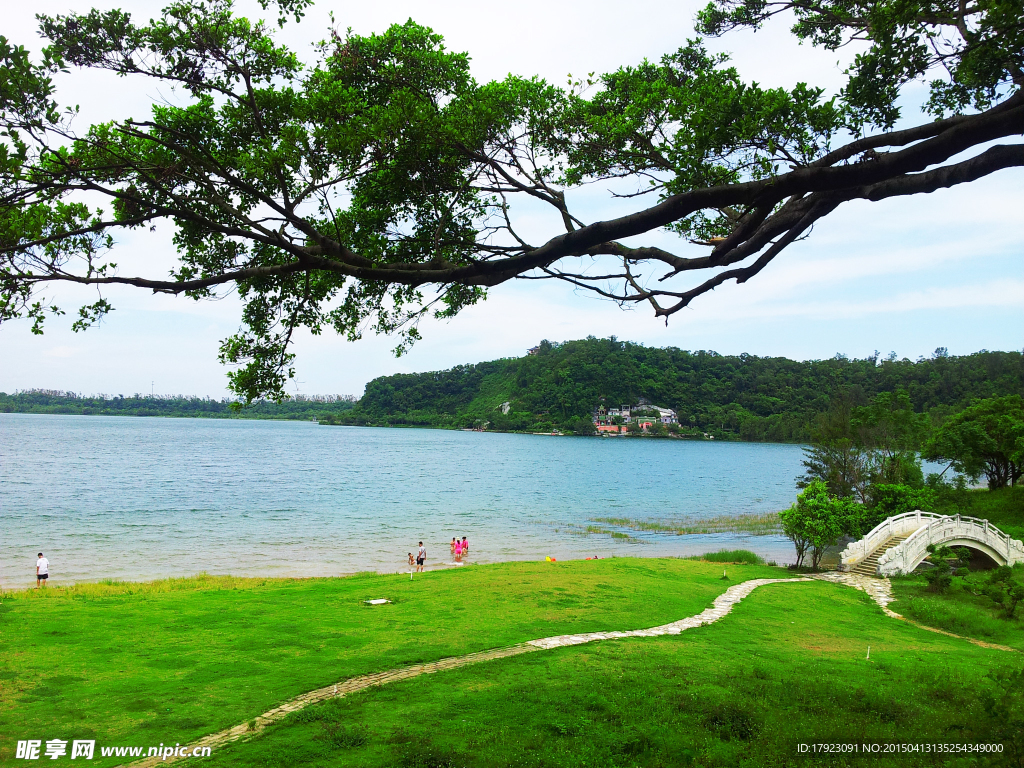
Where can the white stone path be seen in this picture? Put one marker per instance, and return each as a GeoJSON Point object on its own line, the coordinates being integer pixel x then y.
{"type": "Point", "coordinates": [880, 590]}
{"type": "Point", "coordinates": [722, 605]}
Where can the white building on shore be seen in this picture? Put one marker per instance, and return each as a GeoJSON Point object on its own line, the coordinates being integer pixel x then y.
{"type": "Point", "coordinates": [627, 413]}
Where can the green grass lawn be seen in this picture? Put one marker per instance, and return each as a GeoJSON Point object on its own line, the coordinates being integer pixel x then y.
{"type": "Point", "coordinates": [142, 663]}
{"type": "Point", "coordinates": [787, 666]}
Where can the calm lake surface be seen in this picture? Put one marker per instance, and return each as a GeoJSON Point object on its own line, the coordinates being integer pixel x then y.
{"type": "Point", "coordinates": [143, 498]}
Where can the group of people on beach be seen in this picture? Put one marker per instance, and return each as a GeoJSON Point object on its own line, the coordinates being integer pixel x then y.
{"type": "Point", "coordinates": [459, 550]}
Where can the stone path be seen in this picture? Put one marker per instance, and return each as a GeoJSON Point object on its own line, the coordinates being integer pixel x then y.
{"type": "Point", "coordinates": [880, 590]}
{"type": "Point", "coordinates": [722, 605]}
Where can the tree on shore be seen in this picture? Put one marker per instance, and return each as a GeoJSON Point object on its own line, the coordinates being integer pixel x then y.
{"type": "Point", "coordinates": [986, 438]}
{"type": "Point", "coordinates": [855, 449]}
{"type": "Point", "coordinates": [891, 433]}
{"type": "Point", "coordinates": [817, 520]}
{"type": "Point", "coordinates": [834, 456]}
{"type": "Point", "coordinates": [380, 183]}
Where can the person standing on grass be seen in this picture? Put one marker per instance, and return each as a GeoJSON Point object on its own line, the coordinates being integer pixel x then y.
{"type": "Point", "coordinates": [421, 557]}
{"type": "Point", "coordinates": [42, 571]}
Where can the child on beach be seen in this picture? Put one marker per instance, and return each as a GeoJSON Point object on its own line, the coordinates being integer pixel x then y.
{"type": "Point", "coordinates": [465, 546]}
{"type": "Point", "coordinates": [458, 551]}
{"type": "Point", "coordinates": [453, 549]}
{"type": "Point", "coordinates": [411, 560]}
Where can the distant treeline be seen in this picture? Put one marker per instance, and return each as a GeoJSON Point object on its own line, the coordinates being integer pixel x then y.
{"type": "Point", "coordinates": [50, 401]}
{"type": "Point", "coordinates": [740, 397]}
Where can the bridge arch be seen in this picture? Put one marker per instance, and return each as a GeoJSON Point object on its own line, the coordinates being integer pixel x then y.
{"type": "Point", "coordinates": [899, 544]}
{"type": "Point", "coordinates": [962, 541]}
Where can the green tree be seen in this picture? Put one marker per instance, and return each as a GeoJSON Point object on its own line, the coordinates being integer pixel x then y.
{"type": "Point", "coordinates": [817, 520]}
{"type": "Point", "coordinates": [983, 439]}
{"type": "Point", "coordinates": [657, 429]}
{"type": "Point", "coordinates": [889, 499]}
{"type": "Point", "coordinates": [377, 181]}
{"type": "Point", "coordinates": [583, 426]}
{"type": "Point", "coordinates": [893, 432]}
{"type": "Point", "coordinates": [857, 447]}
{"type": "Point", "coordinates": [834, 455]}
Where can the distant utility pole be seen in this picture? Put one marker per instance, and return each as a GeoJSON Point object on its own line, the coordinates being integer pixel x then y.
{"type": "Point", "coordinates": [152, 388]}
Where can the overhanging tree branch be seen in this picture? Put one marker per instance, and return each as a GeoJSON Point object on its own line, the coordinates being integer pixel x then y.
{"type": "Point", "coordinates": [332, 194]}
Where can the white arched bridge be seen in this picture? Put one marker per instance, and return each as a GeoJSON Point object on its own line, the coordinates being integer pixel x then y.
{"type": "Point", "coordinates": [898, 545]}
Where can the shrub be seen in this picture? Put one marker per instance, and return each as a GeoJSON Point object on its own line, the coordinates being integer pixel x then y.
{"type": "Point", "coordinates": [1004, 591]}
{"type": "Point", "coordinates": [940, 578]}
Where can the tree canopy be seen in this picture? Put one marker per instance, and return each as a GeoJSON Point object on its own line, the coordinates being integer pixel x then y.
{"type": "Point", "coordinates": [378, 181]}
{"type": "Point", "coordinates": [987, 438]}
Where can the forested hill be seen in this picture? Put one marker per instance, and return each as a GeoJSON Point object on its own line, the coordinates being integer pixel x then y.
{"type": "Point", "coordinates": [752, 398]}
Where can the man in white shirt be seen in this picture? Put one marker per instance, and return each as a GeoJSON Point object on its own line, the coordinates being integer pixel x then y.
{"type": "Point", "coordinates": [42, 570]}
{"type": "Point", "coordinates": [421, 557]}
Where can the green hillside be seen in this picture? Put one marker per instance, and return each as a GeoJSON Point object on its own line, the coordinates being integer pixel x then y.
{"type": "Point", "coordinates": [745, 397]}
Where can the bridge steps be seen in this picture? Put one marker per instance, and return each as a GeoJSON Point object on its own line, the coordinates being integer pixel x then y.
{"type": "Point", "coordinates": [869, 565]}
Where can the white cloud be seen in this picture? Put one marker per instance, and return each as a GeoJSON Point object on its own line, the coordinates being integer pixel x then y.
{"type": "Point", "coordinates": [990, 295]}
{"type": "Point", "coordinates": [62, 352]}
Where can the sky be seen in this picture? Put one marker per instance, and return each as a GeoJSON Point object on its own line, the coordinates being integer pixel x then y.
{"type": "Point", "coordinates": [911, 275]}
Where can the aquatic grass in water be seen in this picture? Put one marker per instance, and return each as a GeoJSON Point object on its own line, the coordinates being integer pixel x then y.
{"type": "Point", "coordinates": [730, 556]}
{"type": "Point", "coordinates": [757, 524]}
{"type": "Point", "coordinates": [599, 530]}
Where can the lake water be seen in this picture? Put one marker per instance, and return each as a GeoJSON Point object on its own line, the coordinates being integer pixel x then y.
{"type": "Point", "coordinates": [143, 498]}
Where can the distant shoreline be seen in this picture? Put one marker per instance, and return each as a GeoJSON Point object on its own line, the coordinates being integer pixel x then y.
{"type": "Point", "coordinates": [54, 402]}
{"type": "Point", "coordinates": [243, 416]}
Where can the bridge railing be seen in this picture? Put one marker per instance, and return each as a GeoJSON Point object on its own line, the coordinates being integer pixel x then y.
{"type": "Point", "coordinates": [904, 557]}
{"type": "Point", "coordinates": [897, 525]}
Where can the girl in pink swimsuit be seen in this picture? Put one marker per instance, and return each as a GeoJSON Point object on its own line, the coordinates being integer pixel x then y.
{"type": "Point", "coordinates": [458, 551]}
